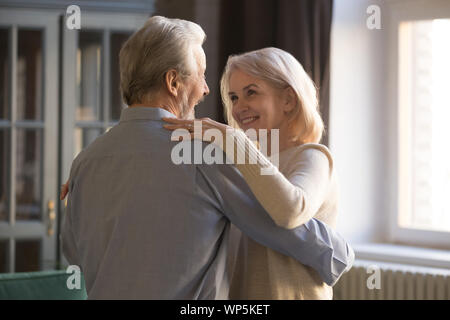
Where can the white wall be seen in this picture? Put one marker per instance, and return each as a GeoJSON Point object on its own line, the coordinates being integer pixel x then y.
{"type": "Point", "coordinates": [357, 123]}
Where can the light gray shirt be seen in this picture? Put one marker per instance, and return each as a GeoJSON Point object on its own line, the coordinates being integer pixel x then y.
{"type": "Point", "coordinates": [141, 227]}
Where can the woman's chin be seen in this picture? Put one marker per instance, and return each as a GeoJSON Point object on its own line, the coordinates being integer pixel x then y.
{"type": "Point", "coordinates": [253, 125]}
{"type": "Point", "coordinates": [245, 128]}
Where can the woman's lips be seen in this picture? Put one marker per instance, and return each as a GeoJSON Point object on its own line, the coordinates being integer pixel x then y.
{"type": "Point", "coordinates": [249, 120]}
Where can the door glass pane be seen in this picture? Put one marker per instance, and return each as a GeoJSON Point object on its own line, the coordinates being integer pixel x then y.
{"type": "Point", "coordinates": [28, 255]}
{"type": "Point", "coordinates": [29, 174]}
{"type": "Point", "coordinates": [89, 70]}
{"type": "Point", "coordinates": [84, 136]}
{"type": "Point", "coordinates": [117, 40]}
{"type": "Point", "coordinates": [4, 172]}
{"type": "Point", "coordinates": [4, 74]}
{"type": "Point", "coordinates": [29, 75]}
{"type": "Point", "coordinates": [4, 253]}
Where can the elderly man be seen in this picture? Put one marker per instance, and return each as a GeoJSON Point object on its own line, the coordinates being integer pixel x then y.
{"type": "Point", "coordinates": [141, 227]}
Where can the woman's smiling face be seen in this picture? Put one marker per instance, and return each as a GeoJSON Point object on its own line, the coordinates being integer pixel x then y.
{"type": "Point", "coordinates": [255, 103]}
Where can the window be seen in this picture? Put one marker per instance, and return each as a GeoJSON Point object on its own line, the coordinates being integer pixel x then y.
{"type": "Point", "coordinates": [422, 52]}
{"type": "Point", "coordinates": [424, 71]}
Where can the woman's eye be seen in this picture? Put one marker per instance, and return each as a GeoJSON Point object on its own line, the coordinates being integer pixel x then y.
{"type": "Point", "coordinates": [233, 98]}
{"type": "Point", "coordinates": [250, 92]}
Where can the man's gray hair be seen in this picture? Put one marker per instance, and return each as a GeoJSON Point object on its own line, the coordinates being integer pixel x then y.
{"type": "Point", "coordinates": [160, 45]}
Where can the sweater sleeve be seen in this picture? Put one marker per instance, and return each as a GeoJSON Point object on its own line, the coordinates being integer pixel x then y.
{"type": "Point", "coordinates": [292, 200]}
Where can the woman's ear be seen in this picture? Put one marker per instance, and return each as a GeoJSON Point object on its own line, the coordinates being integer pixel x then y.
{"type": "Point", "coordinates": [289, 100]}
{"type": "Point", "coordinates": [172, 81]}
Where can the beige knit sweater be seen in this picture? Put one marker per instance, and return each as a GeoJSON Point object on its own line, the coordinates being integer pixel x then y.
{"type": "Point", "coordinates": [304, 186]}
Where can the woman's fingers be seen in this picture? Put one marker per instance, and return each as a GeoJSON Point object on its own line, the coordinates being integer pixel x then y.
{"type": "Point", "coordinates": [64, 190]}
{"type": "Point", "coordinates": [173, 127]}
{"type": "Point", "coordinates": [206, 124]}
{"type": "Point", "coordinates": [186, 125]}
{"type": "Point", "coordinates": [176, 121]}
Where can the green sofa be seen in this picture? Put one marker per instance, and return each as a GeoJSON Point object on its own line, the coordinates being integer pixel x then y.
{"type": "Point", "coordinates": [41, 285]}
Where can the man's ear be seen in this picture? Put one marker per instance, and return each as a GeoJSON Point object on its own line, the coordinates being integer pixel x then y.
{"type": "Point", "coordinates": [289, 100]}
{"type": "Point", "coordinates": [172, 81]}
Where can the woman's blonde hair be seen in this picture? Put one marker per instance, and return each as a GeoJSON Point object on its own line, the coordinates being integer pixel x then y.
{"type": "Point", "coordinates": [281, 70]}
{"type": "Point", "coordinates": [160, 45]}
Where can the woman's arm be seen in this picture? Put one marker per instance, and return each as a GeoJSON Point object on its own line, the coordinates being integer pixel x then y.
{"type": "Point", "coordinates": [291, 200]}
{"type": "Point", "coordinates": [296, 198]}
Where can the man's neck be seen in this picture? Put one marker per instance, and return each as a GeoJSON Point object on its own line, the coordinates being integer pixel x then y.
{"type": "Point", "coordinates": [165, 104]}
{"type": "Point", "coordinates": [153, 106]}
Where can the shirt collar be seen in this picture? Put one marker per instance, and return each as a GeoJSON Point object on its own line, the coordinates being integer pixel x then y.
{"type": "Point", "coordinates": [144, 113]}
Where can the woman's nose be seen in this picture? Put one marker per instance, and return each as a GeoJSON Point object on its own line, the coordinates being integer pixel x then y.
{"type": "Point", "coordinates": [239, 106]}
{"type": "Point", "coordinates": [206, 92]}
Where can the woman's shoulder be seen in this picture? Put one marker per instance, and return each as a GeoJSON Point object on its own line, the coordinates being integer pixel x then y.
{"type": "Point", "coordinates": [314, 146]}
{"type": "Point", "coordinates": [310, 149]}
{"type": "Point", "coordinates": [311, 152]}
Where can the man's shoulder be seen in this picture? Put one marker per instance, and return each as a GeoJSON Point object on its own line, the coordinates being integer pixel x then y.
{"type": "Point", "coordinates": [100, 147]}
{"type": "Point", "coordinates": [90, 149]}
{"type": "Point", "coordinates": [128, 138]}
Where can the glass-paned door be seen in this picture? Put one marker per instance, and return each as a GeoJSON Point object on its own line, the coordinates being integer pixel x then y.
{"type": "Point", "coordinates": [28, 140]}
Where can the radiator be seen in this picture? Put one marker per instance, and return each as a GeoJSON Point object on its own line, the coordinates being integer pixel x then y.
{"type": "Point", "coordinates": [370, 280]}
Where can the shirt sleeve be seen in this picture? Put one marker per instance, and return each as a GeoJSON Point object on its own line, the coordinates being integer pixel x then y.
{"type": "Point", "coordinates": [291, 200]}
{"type": "Point", "coordinates": [313, 244]}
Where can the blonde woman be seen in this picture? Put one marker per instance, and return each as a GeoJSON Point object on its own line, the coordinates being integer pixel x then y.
{"type": "Point", "coordinates": [269, 89]}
